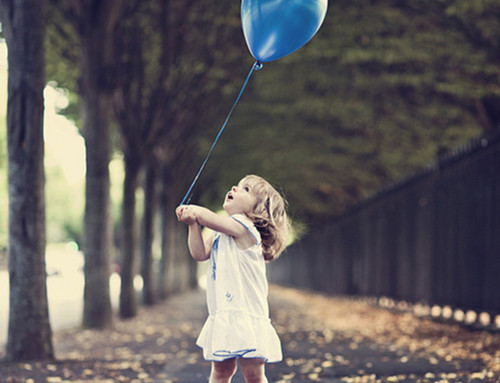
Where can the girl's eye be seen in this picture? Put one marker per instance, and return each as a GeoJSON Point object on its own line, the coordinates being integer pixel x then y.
{"type": "Point", "coordinates": [246, 188]}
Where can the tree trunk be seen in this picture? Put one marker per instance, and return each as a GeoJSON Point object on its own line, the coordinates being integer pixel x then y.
{"type": "Point", "coordinates": [166, 227]}
{"type": "Point", "coordinates": [182, 273]}
{"type": "Point", "coordinates": [97, 223]}
{"type": "Point", "coordinates": [128, 299]}
{"type": "Point", "coordinates": [148, 291]}
{"type": "Point", "coordinates": [29, 334]}
{"type": "Point", "coordinates": [94, 22]}
{"type": "Point", "coordinates": [193, 272]}
{"type": "Point", "coordinates": [488, 113]}
{"type": "Point", "coordinates": [177, 271]}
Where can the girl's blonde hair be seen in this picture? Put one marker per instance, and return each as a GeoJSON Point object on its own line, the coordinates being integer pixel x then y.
{"type": "Point", "coordinates": [269, 216]}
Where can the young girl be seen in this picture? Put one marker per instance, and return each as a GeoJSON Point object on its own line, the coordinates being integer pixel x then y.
{"type": "Point", "coordinates": [238, 325]}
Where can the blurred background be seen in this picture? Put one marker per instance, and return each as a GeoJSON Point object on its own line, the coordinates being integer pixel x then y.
{"type": "Point", "coordinates": [381, 91]}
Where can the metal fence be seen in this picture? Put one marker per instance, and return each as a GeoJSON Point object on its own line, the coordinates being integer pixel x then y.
{"type": "Point", "coordinates": [433, 238]}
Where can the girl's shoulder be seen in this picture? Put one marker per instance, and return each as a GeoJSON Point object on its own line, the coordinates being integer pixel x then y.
{"type": "Point", "coordinates": [249, 225]}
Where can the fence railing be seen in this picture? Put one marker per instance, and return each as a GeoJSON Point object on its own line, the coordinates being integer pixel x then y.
{"type": "Point", "coordinates": [434, 238]}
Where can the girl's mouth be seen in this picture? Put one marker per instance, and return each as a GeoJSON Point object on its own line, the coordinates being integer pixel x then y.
{"type": "Point", "coordinates": [229, 196]}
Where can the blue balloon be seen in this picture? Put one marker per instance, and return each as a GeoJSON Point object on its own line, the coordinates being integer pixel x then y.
{"type": "Point", "coordinates": [276, 28]}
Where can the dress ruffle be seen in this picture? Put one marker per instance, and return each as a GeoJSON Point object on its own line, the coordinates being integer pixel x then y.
{"type": "Point", "coordinates": [236, 333]}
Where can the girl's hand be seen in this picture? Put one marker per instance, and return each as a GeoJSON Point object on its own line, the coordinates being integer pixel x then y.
{"type": "Point", "coordinates": [186, 215]}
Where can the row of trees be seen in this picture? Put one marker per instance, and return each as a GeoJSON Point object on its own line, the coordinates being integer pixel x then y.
{"type": "Point", "coordinates": [382, 88]}
{"type": "Point", "coordinates": [145, 67]}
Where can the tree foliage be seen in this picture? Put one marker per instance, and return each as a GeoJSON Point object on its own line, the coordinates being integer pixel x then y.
{"type": "Point", "coordinates": [380, 90]}
{"type": "Point", "coordinates": [377, 94]}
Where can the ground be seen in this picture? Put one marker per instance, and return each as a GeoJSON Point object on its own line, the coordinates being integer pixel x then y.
{"type": "Point", "coordinates": [324, 338]}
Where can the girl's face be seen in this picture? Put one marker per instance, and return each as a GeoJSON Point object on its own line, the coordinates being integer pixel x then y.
{"type": "Point", "coordinates": [240, 199]}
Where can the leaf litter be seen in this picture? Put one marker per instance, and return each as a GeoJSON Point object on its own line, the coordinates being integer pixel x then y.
{"type": "Point", "coordinates": [324, 338]}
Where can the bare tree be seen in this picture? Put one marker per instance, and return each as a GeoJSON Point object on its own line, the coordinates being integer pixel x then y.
{"type": "Point", "coordinates": [29, 335]}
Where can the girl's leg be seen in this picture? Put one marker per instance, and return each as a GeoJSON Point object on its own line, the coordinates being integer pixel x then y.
{"type": "Point", "coordinates": [253, 370]}
{"type": "Point", "coordinates": [222, 372]}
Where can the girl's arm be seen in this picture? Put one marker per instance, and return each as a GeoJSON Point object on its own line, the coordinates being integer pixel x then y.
{"type": "Point", "coordinates": [216, 222]}
{"type": "Point", "coordinates": [193, 214]}
{"type": "Point", "coordinates": [198, 247]}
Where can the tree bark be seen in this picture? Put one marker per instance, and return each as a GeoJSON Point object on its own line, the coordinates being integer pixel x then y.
{"type": "Point", "coordinates": [128, 298]}
{"type": "Point", "coordinates": [97, 221]}
{"type": "Point", "coordinates": [29, 334]}
{"type": "Point", "coordinates": [166, 228]}
{"type": "Point", "coordinates": [94, 22]}
{"type": "Point", "coordinates": [148, 291]}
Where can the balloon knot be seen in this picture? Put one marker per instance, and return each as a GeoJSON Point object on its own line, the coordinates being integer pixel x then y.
{"type": "Point", "coordinates": [257, 66]}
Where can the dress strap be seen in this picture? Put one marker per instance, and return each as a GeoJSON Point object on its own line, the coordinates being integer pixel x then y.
{"type": "Point", "coordinates": [248, 224]}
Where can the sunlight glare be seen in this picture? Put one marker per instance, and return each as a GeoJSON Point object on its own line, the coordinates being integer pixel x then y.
{"type": "Point", "coordinates": [3, 78]}
{"type": "Point", "coordinates": [63, 144]}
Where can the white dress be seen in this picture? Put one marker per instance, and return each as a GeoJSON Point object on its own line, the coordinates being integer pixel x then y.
{"type": "Point", "coordinates": [238, 324]}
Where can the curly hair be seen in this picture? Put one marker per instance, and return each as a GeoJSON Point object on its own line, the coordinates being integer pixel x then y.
{"type": "Point", "coordinates": [269, 216]}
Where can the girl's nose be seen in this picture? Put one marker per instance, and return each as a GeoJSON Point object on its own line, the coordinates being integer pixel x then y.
{"type": "Point", "coordinates": [234, 188]}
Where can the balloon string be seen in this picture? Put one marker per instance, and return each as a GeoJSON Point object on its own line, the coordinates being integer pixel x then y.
{"type": "Point", "coordinates": [255, 67]}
